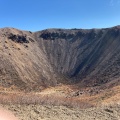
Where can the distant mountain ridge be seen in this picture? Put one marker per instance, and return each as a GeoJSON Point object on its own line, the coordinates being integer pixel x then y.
{"type": "Point", "coordinates": [34, 60]}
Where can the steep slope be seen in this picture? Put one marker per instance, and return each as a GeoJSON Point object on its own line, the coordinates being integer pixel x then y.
{"type": "Point", "coordinates": [91, 56]}
{"type": "Point", "coordinates": [45, 58]}
{"type": "Point", "coordinates": [22, 63]}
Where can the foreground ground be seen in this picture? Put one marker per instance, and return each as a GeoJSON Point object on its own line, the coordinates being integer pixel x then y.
{"type": "Point", "coordinates": [64, 103]}
{"type": "Point", "coordinates": [47, 112]}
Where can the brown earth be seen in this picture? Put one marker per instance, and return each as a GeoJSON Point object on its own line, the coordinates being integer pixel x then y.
{"type": "Point", "coordinates": [63, 103]}
{"type": "Point", "coordinates": [33, 61]}
{"type": "Point", "coordinates": [61, 73]}
{"type": "Point", "coordinates": [48, 112]}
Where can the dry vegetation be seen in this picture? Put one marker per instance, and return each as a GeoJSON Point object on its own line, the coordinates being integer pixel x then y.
{"type": "Point", "coordinates": [63, 102]}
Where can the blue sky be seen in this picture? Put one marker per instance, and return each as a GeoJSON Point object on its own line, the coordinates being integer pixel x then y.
{"type": "Point", "coordinates": [36, 15]}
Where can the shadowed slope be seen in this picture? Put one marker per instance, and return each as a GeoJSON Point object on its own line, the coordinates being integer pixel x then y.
{"type": "Point", "coordinates": [92, 55]}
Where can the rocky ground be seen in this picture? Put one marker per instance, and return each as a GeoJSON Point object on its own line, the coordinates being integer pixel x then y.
{"type": "Point", "coordinates": [63, 103]}
{"type": "Point", "coordinates": [49, 112]}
